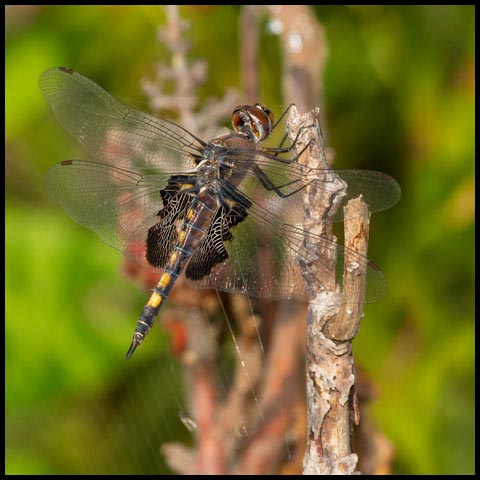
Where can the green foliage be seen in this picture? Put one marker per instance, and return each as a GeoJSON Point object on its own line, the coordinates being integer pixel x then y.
{"type": "Point", "coordinates": [399, 93]}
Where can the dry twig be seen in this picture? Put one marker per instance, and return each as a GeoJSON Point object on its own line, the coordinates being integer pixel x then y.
{"type": "Point", "coordinates": [175, 85]}
{"type": "Point", "coordinates": [330, 368]}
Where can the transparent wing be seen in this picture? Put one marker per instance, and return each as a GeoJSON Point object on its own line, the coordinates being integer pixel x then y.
{"type": "Point", "coordinates": [113, 132]}
{"type": "Point", "coordinates": [120, 205]}
{"type": "Point", "coordinates": [379, 190]}
{"type": "Point", "coordinates": [119, 199]}
{"type": "Point", "coordinates": [265, 251]}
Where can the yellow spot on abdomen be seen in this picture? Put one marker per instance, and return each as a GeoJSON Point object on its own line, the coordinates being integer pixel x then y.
{"type": "Point", "coordinates": [190, 214]}
{"type": "Point", "coordinates": [230, 203]}
{"type": "Point", "coordinates": [181, 236]}
{"type": "Point", "coordinates": [173, 258]}
{"type": "Point", "coordinates": [164, 280]}
{"type": "Point", "coordinates": [155, 300]}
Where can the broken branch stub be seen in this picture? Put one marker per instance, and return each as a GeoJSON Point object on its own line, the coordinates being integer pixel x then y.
{"type": "Point", "coordinates": [347, 322]}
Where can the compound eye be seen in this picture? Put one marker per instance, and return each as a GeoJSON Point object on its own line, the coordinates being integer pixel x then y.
{"type": "Point", "coordinates": [270, 115]}
{"type": "Point", "coordinates": [238, 120]}
{"type": "Point", "coordinates": [261, 125]}
{"type": "Point", "coordinates": [254, 121]}
{"type": "Point", "coordinates": [267, 111]}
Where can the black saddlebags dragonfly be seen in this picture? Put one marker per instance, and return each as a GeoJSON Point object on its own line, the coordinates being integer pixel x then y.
{"type": "Point", "coordinates": [216, 210]}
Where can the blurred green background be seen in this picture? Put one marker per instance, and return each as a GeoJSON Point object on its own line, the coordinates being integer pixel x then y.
{"type": "Point", "coordinates": [399, 97]}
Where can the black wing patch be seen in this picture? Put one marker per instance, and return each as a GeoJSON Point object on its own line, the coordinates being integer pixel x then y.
{"type": "Point", "coordinates": [163, 236]}
{"type": "Point", "coordinates": [212, 248]}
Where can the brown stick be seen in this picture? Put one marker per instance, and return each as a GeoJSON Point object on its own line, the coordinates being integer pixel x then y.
{"type": "Point", "coordinates": [347, 322]}
{"type": "Point", "coordinates": [330, 367]}
{"type": "Point", "coordinates": [304, 52]}
{"type": "Point", "coordinates": [249, 19]}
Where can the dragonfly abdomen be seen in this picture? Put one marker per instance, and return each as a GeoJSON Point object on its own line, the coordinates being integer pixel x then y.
{"type": "Point", "coordinates": [192, 231]}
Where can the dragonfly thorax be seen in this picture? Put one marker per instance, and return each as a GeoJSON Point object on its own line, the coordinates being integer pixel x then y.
{"type": "Point", "coordinates": [226, 158]}
{"type": "Point", "coordinates": [208, 174]}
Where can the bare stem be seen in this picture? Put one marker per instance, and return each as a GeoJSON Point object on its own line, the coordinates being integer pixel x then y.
{"type": "Point", "coordinates": [249, 19]}
{"type": "Point", "coordinates": [305, 52]}
{"type": "Point", "coordinates": [330, 367]}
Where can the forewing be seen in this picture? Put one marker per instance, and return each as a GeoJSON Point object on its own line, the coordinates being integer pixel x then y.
{"type": "Point", "coordinates": [379, 190]}
{"type": "Point", "coordinates": [113, 132]}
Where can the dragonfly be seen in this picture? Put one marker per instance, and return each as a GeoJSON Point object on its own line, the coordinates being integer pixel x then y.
{"type": "Point", "coordinates": [226, 212]}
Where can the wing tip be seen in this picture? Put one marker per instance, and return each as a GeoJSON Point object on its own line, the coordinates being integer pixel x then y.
{"type": "Point", "coordinates": [68, 70]}
{"type": "Point", "coordinates": [42, 79]}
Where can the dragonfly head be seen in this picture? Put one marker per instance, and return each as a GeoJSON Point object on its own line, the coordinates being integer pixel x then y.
{"type": "Point", "coordinates": [254, 121]}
